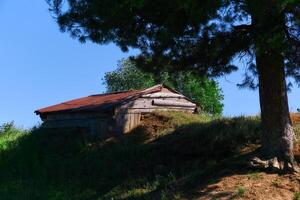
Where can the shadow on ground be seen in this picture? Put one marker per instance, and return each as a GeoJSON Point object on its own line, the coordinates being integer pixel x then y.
{"type": "Point", "coordinates": [145, 164]}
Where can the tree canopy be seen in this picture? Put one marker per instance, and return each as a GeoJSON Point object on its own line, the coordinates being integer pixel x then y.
{"type": "Point", "coordinates": [199, 35]}
{"type": "Point", "coordinates": [206, 93]}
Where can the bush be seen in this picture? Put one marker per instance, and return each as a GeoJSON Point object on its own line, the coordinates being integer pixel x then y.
{"type": "Point", "coordinates": [7, 127]}
{"type": "Point", "coordinates": [9, 136]}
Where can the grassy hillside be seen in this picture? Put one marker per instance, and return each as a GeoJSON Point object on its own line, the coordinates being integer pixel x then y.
{"type": "Point", "coordinates": [170, 156]}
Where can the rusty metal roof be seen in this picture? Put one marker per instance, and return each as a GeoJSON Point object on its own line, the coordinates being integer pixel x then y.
{"type": "Point", "coordinates": [98, 102]}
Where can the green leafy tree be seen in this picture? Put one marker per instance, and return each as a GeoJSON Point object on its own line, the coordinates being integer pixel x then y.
{"type": "Point", "coordinates": [203, 91]}
{"type": "Point", "coordinates": [127, 77]}
{"type": "Point", "coordinates": [205, 37]}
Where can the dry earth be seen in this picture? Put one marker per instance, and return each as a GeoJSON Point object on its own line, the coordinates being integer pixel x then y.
{"type": "Point", "coordinates": [254, 185]}
{"type": "Point", "coordinates": [295, 118]}
{"type": "Point", "coordinates": [238, 184]}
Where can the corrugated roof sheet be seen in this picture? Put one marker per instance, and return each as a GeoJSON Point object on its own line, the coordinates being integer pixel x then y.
{"type": "Point", "coordinates": [100, 101]}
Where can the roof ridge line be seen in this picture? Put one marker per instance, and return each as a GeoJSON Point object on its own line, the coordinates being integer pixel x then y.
{"type": "Point", "coordinates": [113, 93]}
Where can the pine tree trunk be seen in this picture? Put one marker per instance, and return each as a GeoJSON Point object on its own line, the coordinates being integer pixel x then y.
{"type": "Point", "coordinates": [278, 135]}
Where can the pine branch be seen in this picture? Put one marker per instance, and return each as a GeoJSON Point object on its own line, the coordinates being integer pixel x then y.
{"type": "Point", "coordinates": [243, 28]}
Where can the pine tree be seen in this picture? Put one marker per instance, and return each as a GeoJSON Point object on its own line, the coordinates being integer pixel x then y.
{"type": "Point", "coordinates": [204, 37]}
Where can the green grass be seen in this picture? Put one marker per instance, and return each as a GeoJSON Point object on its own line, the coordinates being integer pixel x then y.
{"type": "Point", "coordinates": [240, 191]}
{"type": "Point", "coordinates": [70, 164]}
{"type": "Point", "coordinates": [254, 175]}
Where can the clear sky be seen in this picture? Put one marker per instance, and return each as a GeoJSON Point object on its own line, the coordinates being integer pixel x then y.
{"type": "Point", "coordinates": [40, 66]}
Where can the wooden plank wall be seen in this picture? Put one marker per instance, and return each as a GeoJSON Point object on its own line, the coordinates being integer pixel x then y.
{"type": "Point", "coordinates": [98, 124]}
{"type": "Point", "coordinates": [146, 105]}
{"type": "Point", "coordinates": [128, 115]}
{"type": "Point", "coordinates": [133, 121]}
{"type": "Point", "coordinates": [128, 121]}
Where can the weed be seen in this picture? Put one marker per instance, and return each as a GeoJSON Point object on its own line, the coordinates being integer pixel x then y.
{"type": "Point", "coordinates": [275, 183]}
{"type": "Point", "coordinates": [254, 175]}
{"type": "Point", "coordinates": [296, 196]}
{"type": "Point", "coordinates": [240, 191]}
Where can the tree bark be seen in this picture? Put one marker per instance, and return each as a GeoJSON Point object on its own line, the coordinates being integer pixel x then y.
{"type": "Point", "coordinates": [278, 135]}
{"type": "Point", "coordinates": [268, 25]}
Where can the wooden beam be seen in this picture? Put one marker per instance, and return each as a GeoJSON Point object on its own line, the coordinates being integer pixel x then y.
{"type": "Point", "coordinates": [159, 102]}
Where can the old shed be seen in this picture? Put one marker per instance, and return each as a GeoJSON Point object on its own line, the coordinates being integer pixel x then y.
{"type": "Point", "coordinates": [117, 112]}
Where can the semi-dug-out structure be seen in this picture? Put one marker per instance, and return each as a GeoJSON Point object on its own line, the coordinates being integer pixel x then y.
{"type": "Point", "coordinates": [118, 112]}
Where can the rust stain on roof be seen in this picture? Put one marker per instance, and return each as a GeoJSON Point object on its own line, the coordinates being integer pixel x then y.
{"type": "Point", "coordinates": [100, 101]}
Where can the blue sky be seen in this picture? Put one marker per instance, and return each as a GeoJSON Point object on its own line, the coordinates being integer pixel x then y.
{"type": "Point", "coordinates": [41, 66]}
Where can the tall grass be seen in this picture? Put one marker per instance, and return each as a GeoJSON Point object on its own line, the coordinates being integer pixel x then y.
{"type": "Point", "coordinates": [71, 164]}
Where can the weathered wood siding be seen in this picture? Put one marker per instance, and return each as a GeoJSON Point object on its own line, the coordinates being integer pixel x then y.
{"type": "Point", "coordinates": [123, 118]}
{"type": "Point", "coordinates": [98, 124]}
{"type": "Point", "coordinates": [128, 121]}
{"type": "Point", "coordinates": [128, 115]}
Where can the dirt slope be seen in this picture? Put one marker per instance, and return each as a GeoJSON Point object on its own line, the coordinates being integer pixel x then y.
{"type": "Point", "coordinates": [255, 185]}
{"type": "Point", "coordinates": [295, 118]}
{"type": "Point", "coordinates": [239, 184]}
{"type": "Point", "coordinates": [258, 186]}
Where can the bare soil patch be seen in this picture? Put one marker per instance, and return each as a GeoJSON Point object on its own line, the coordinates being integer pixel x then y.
{"type": "Point", "coordinates": [295, 118]}
{"type": "Point", "coordinates": [256, 185]}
